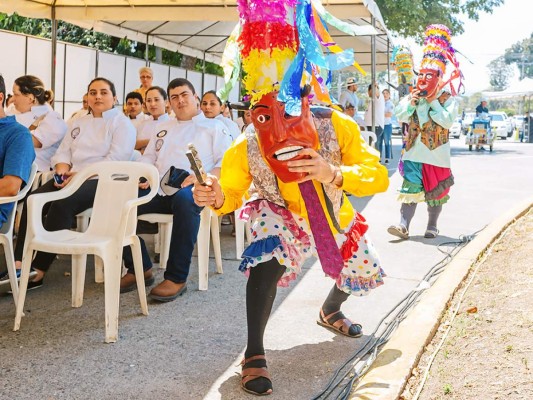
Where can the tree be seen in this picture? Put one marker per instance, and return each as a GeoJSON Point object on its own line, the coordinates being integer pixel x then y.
{"type": "Point", "coordinates": [500, 73]}
{"type": "Point", "coordinates": [65, 32]}
{"type": "Point", "coordinates": [521, 54]}
{"type": "Point", "coordinates": [409, 18]}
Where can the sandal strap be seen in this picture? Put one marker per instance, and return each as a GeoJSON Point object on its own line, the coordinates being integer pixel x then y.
{"type": "Point", "coordinates": [327, 317]}
{"type": "Point", "coordinates": [252, 358]}
{"type": "Point", "coordinates": [249, 374]}
{"type": "Point", "coordinates": [343, 325]}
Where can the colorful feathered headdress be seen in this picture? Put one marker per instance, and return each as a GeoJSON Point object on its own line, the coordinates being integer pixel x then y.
{"type": "Point", "coordinates": [283, 45]}
{"type": "Point", "coordinates": [438, 52]}
{"type": "Point", "coordinates": [402, 61]}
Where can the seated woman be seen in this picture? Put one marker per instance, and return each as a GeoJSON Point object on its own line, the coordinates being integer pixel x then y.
{"type": "Point", "coordinates": [104, 135]}
{"type": "Point", "coordinates": [244, 119]}
{"type": "Point", "coordinates": [211, 106]}
{"type": "Point", "coordinates": [47, 127]}
{"type": "Point", "coordinates": [156, 102]}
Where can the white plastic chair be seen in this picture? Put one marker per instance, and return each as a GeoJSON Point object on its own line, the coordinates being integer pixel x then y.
{"type": "Point", "coordinates": [82, 223]}
{"type": "Point", "coordinates": [242, 230]}
{"type": "Point", "coordinates": [208, 223]}
{"type": "Point", "coordinates": [112, 226]}
{"type": "Point", "coordinates": [370, 138]}
{"type": "Point", "coordinates": [6, 232]}
{"type": "Point", "coordinates": [40, 179]}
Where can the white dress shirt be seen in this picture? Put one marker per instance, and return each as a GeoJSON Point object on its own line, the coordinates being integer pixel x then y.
{"type": "Point", "coordinates": [347, 96]}
{"type": "Point", "coordinates": [90, 140]}
{"type": "Point", "coordinates": [380, 112]}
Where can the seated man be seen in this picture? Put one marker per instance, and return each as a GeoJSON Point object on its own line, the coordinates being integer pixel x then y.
{"type": "Point", "coordinates": [16, 157]}
{"type": "Point", "coordinates": [481, 109]}
{"type": "Point", "coordinates": [134, 108]}
{"type": "Point", "coordinates": [167, 149]}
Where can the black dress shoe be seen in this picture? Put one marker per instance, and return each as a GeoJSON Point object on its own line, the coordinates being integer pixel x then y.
{"type": "Point", "coordinates": [32, 285]}
{"type": "Point", "coordinates": [35, 284]}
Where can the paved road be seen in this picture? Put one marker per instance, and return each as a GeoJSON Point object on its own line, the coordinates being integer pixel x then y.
{"type": "Point", "coordinates": [188, 349]}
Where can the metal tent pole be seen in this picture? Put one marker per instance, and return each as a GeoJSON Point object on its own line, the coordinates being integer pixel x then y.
{"type": "Point", "coordinates": [146, 59]}
{"type": "Point", "coordinates": [373, 73]}
{"type": "Point", "coordinates": [54, 49]}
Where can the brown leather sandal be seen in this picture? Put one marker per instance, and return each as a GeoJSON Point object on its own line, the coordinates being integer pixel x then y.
{"type": "Point", "coordinates": [342, 325]}
{"type": "Point", "coordinates": [250, 374]}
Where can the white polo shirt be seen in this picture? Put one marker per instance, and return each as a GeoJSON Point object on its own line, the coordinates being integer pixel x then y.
{"type": "Point", "coordinates": [168, 146]}
{"type": "Point", "coordinates": [138, 120]}
{"type": "Point", "coordinates": [50, 131]}
{"type": "Point", "coordinates": [90, 140]}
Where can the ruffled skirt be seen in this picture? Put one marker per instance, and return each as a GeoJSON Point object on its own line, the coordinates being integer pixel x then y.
{"type": "Point", "coordinates": [279, 234]}
{"type": "Point", "coordinates": [425, 182]}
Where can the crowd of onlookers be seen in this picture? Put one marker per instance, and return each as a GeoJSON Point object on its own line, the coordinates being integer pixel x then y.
{"type": "Point", "coordinates": [384, 111]}
{"type": "Point", "coordinates": [154, 126]}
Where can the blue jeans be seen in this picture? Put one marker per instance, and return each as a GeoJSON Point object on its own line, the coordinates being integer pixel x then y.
{"type": "Point", "coordinates": [387, 137]}
{"type": "Point", "coordinates": [185, 226]}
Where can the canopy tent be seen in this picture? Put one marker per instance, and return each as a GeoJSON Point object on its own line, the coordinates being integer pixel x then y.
{"type": "Point", "coordinates": [198, 28]}
{"type": "Point", "coordinates": [521, 88]}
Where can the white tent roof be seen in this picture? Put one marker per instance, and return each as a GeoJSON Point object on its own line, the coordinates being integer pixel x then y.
{"type": "Point", "coordinates": [521, 88]}
{"type": "Point", "coordinates": [195, 27]}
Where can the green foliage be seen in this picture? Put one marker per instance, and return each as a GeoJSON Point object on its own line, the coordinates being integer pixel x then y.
{"type": "Point", "coordinates": [509, 111]}
{"type": "Point", "coordinates": [172, 57]}
{"type": "Point", "coordinates": [500, 73]}
{"type": "Point", "coordinates": [74, 34]}
{"type": "Point", "coordinates": [521, 54]}
{"type": "Point", "coordinates": [65, 32]}
{"type": "Point", "coordinates": [409, 18]}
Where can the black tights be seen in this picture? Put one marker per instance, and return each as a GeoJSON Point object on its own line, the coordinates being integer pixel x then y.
{"type": "Point", "coordinates": [260, 295]}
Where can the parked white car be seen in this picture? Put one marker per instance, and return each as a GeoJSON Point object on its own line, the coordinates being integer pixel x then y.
{"type": "Point", "coordinates": [500, 124]}
{"type": "Point", "coordinates": [455, 130]}
{"type": "Point", "coordinates": [518, 122]}
{"type": "Point", "coordinates": [466, 122]}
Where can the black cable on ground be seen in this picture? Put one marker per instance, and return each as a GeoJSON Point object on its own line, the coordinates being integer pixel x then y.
{"type": "Point", "coordinates": [339, 382]}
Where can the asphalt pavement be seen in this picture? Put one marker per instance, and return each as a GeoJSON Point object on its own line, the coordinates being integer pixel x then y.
{"type": "Point", "coordinates": [190, 348]}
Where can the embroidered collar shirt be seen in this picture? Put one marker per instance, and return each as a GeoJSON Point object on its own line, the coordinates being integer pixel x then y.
{"type": "Point", "coordinates": [168, 145]}
{"type": "Point", "coordinates": [49, 130]}
{"type": "Point", "coordinates": [90, 140]}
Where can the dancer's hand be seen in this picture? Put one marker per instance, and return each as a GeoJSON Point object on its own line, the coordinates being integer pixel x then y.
{"type": "Point", "coordinates": [210, 195]}
{"type": "Point", "coordinates": [415, 97]}
{"type": "Point", "coordinates": [314, 165]}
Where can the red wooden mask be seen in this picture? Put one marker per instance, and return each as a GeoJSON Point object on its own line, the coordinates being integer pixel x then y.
{"type": "Point", "coordinates": [281, 136]}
